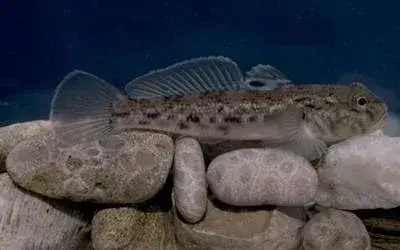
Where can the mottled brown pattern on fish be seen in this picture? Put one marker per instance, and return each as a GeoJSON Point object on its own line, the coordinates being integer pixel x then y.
{"type": "Point", "coordinates": [234, 104]}
{"type": "Point", "coordinates": [335, 104]}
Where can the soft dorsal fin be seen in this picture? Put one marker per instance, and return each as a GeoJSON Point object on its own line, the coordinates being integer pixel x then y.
{"type": "Point", "coordinates": [190, 77]}
{"type": "Point", "coordinates": [265, 77]}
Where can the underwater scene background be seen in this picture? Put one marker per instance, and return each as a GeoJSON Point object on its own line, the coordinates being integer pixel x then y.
{"type": "Point", "coordinates": [310, 41]}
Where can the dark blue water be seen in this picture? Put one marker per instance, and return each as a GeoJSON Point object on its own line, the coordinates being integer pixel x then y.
{"type": "Point", "coordinates": [310, 41]}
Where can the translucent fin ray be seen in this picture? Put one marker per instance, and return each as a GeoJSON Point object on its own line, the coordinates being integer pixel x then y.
{"type": "Point", "coordinates": [293, 135]}
{"type": "Point", "coordinates": [81, 108]}
{"type": "Point", "coordinates": [190, 77]}
{"type": "Point", "coordinates": [284, 125]}
{"type": "Point", "coordinates": [306, 145]}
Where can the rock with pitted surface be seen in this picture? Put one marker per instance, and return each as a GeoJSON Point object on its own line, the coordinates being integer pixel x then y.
{"type": "Point", "coordinates": [129, 228]}
{"type": "Point", "coordinates": [129, 167]}
{"type": "Point", "coordinates": [225, 227]}
{"type": "Point", "coordinates": [13, 134]}
{"type": "Point", "coordinates": [362, 173]}
{"type": "Point", "coordinates": [335, 229]}
{"type": "Point", "coordinates": [31, 222]}
{"type": "Point", "coordinates": [253, 177]}
{"type": "Point", "coordinates": [190, 187]}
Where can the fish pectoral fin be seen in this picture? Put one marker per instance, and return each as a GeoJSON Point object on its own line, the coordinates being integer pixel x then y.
{"type": "Point", "coordinates": [265, 77]}
{"type": "Point", "coordinates": [292, 134]}
{"type": "Point", "coordinates": [82, 108]}
{"type": "Point", "coordinates": [190, 77]}
{"type": "Point", "coordinates": [305, 144]}
{"type": "Point", "coordinates": [281, 127]}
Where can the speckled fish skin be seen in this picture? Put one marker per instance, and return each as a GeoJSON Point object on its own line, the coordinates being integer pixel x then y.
{"type": "Point", "coordinates": [208, 98]}
{"type": "Point", "coordinates": [332, 112]}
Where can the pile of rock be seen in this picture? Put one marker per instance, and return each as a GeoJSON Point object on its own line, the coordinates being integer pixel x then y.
{"type": "Point", "coordinates": [246, 198]}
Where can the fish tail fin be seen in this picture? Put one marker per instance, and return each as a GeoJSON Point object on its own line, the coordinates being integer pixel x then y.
{"type": "Point", "coordinates": [82, 107]}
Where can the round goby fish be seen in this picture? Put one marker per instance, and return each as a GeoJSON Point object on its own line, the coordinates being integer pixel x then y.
{"type": "Point", "coordinates": [208, 98]}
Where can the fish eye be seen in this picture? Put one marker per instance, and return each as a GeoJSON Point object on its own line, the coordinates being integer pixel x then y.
{"type": "Point", "coordinates": [361, 101]}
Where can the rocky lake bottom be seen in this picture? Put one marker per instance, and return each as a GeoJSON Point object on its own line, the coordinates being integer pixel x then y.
{"type": "Point", "coordinates": [146, 190]}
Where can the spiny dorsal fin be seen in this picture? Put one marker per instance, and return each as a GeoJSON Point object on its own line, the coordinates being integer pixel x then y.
{"type": "Point", "coordinates": [190, 77]}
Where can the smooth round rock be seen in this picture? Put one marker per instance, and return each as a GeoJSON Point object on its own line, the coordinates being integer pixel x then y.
{"type": "Point", "coordinates": [253, 177]}
{"type": "Point", "coordinates": [361, 173]}
{"type": "Point", "coordinates": [13, 134]}
{"type": "Point", "coordinates": [335, 229]}
{"type": "Point", "coordinates": [31, 222]}
{"type": "Point", "coordinates": [129, 167]}
{"type": "Point", "coordinates": [190, 187]}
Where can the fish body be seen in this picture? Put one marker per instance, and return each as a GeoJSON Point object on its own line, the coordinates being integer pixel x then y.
{"type": "Point", "coordinates": [209, 99]}
{"type": "Point", "coordinates": [248, 115]}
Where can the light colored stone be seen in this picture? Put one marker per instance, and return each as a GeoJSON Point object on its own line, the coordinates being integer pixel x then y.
{"type": "Point", "coordinates": [362, 173]}
{"type": "Point", "coordinates": [13, 134]}
{"type": "Point", "coordinates": [230, 228]}
{"type": "Point", "coordinates": [31, 222]}
{"type": "Point", "coordinates": [126, 168]}
{"type": "Point", "coordinates": [252, 177]}
{"type": "Point", "coordinates": [129, 228]}
{"type": "Point", "coordinates": [335, 229]}
{"type": "Point", "coordinates": [392, 125]}
{"type": "Point", "coordinates": [190, 187]}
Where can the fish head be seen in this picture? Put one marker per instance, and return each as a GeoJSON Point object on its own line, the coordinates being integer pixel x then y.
{"type": "Point", "coordinates": [355, 110]}
{"type": "Point", "coordinates": [363, 112]}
